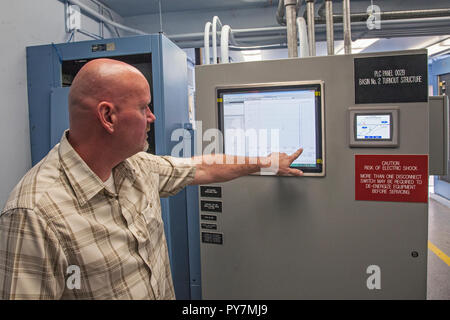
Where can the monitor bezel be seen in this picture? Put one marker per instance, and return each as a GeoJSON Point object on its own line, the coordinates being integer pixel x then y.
{"type": "Point", "coordinates": [319, 169]}
{"type": "Point", "coordinates": [374, 143]}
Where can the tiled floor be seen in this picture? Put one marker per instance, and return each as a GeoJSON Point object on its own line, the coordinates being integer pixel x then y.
{"type": "Point", "coordinates": [438, 286]}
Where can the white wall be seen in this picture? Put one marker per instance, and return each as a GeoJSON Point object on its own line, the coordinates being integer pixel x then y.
{"type": "Point", "coordinates": [24, 23]}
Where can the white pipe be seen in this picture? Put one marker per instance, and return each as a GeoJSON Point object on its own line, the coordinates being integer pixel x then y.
{"type": "Point", "coordinates": [216, 21]}
{"type": "Point", "coordinates": [94, 13]}
{"type": "Point", "coordinates": [232, 40]}
{"type": "Point", "coordinates": [206, 42]}
{"type": "Point", "coordinates": [224, 35]}
{"type": "Point", "coordinates": [303, 37]}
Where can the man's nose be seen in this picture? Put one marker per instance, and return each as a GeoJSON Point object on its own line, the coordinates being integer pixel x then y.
{"type": "Point", "coordinates": [150, 116]}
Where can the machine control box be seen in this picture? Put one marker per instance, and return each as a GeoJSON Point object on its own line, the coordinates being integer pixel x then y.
{"type": "Point", "coordinates": [373, 127]}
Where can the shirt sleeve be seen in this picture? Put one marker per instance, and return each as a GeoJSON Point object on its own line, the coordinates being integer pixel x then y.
{"type": "Point", "coordinates": [32, 261]}
{"type": "Point", "coordinates": [172, 173]}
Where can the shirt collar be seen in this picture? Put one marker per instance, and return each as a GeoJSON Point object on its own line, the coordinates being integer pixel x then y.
{"type": "Point", "coordinates": [85, 183]}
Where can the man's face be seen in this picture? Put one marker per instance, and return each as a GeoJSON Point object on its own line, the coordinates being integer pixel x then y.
{"type": "Point", "coordinates": [135, 118]}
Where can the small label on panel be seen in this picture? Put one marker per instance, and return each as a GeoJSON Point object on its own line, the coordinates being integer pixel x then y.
{"type": "Point", "coordinates": [98, 47]}
{"type": "Point", "coordinates": [110, 46]}
{"type": "Point", "coordinates": [391, 79]}
{"type": "Point", "coordinates": [398, 178]}
{"type": "Point", "coordinates": [103, 47]}
{"type": "Point", "coordinates": [210, 226]}
{"type": "Point", "coordinates": [211, 206]}
{"type": "Point", "coordinates": [213, 192]}
{"type": "Point", "coordinates": [209, 237]}
{"type": "Point", "coordinates": [209, 217]}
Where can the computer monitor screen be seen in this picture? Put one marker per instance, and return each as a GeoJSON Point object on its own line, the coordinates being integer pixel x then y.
{"type": "Point", "coordinates": [257, 121]}
{"type": "Point", "coordinates": [373, 126]}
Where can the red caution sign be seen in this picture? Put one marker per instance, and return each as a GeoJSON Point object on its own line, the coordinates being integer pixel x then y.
{"type": "Point", "coordinates": [401, 178]}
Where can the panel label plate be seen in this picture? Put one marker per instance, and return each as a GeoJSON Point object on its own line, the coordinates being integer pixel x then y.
{"type": "Point", "coordinates": [391, 79]}
{"type": "Point", "coordinates": [210, 237]}
{"type": "Point", "coordinates": [212, 192]}
{"type": "Point", "coordinates": [208, 217]}
{"type": "Point", "coordinates": [103, 47]}
{"type": "Point", "coordinates": [399, 178]}
{"type": "Point", "coordinates": [211, 206]}
{"type": "Point", "coordinates": [210, 226]}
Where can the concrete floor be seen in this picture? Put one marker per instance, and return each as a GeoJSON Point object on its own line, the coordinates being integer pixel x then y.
{"type": "Point", "coordinates": [438, 284]}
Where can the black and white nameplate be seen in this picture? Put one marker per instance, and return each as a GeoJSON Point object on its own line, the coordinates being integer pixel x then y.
{"type": "Point", "coordinates": [391, 79]}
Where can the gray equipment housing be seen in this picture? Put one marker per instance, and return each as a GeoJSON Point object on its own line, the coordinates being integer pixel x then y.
{"type": "Point", "coordinates": [438, 161]}
{"type": "Point", "coordinates": [307, 237]}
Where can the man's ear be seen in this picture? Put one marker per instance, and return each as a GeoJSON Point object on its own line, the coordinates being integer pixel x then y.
{"type": "Point", "coordinates": [106, 113]}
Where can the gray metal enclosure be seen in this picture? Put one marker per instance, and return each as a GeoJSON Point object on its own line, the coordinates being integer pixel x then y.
{"type": "Point", "coordinates": [307, 237]}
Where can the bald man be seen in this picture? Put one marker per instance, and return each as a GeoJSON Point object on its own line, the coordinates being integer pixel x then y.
{"type": "Point", "coordinates": [85, 222]}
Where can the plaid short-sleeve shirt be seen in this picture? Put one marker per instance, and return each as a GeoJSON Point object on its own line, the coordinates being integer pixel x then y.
{"type": "Point", "coordinates": [63, 235]}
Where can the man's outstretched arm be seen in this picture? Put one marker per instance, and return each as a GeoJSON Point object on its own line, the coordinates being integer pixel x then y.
{"type": "Point", "coordinates": [221, 168]}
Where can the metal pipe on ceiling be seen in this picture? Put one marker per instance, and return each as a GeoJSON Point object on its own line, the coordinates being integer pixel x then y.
{"type": "Point", "coordinates": [268, 46]}
{"type": "Point", "coordinates": [311, 27]}
{"type": "Point", "coordinates": [281, 11]}
{"type": "Point", "coordinates": [89, 34]}
{"type": "Point", "coordinates": [330, 26]}
{"type": "Point", "coordinates": [388, 15]}
{"type": "Point", "coordinates": [391, 28]}
{"type": "Point", "coordinates": [111, 17]}
{"type": "Point", "coordinates": [103, 8]}
{"type": "Point", "coordinates": [399, 18]}
{"type": "Point", "coordinates": [291, 14]}
{"type": "Point", "coordinates": [347, 27]}
{"type": "Point", "coordinates": [97, 15]}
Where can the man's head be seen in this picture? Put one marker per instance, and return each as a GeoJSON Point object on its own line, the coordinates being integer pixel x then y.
{"type": "Point", "coordinates": [108, 107]}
